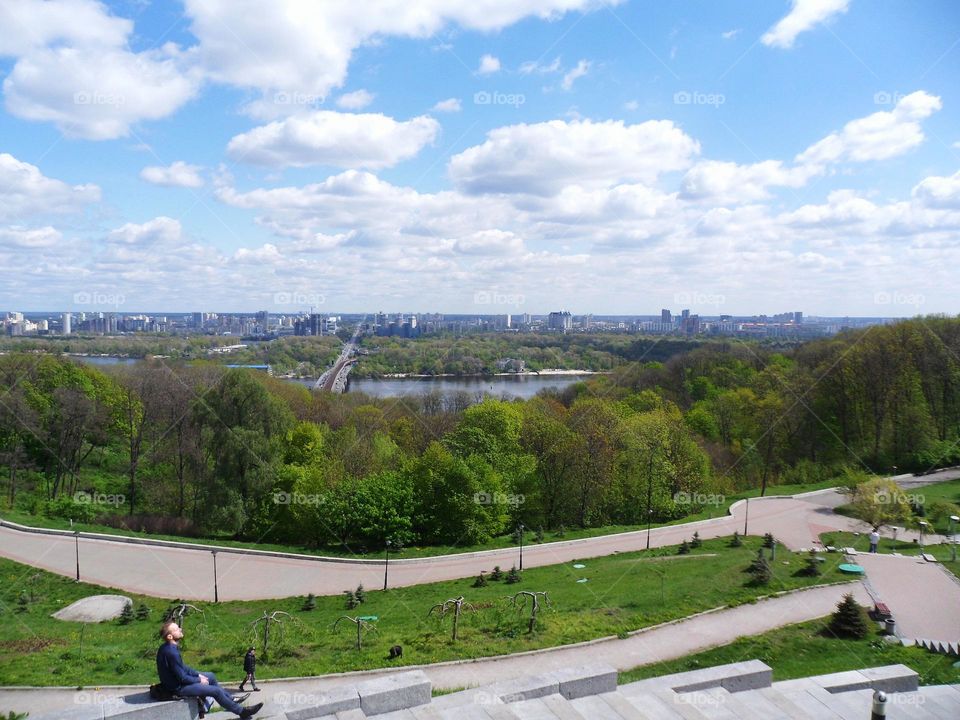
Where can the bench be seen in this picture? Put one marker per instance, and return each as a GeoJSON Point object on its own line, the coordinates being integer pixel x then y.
{"type": "Point", "coordinates": [881, 611]}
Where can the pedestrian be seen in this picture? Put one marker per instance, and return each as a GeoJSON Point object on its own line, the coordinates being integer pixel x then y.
{"type": "Point", "coordinates": [874, 540]}
{"type": "Point", "coordinates": [250, 668]}
{"type": "Point", "coordinates": [184, 681]}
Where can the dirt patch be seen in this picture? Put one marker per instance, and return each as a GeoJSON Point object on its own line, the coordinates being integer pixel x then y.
{"type": "Point", "coordinates": [30, 645]}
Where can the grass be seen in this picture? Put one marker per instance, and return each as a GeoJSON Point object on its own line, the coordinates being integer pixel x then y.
{"type": "Point", "coordinates": [622, 593]}
{"type": "Point", "coordinates": [927, 495]}
{"type": "Point", "coordinates": [807, 649]}
{"type": "Point", "coordinates": [504, 541]}
{"type": "Point", "coordinates": [861, 543]}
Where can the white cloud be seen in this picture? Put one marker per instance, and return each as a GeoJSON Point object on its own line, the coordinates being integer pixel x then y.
{"type": "Point", "coordinates": [306, 47]}
{"type": "Point", "coordinates": [535, 66]}
{"type": "Point", "coordinates": [939, 192]}
{"type": "Point", "coordinates": [631, 105]}
{"type": "Point", "coordinates": [448, 105]}
{"type": "Point", "coordinates": [727, 182]}
{"type": "Point", "coordinates": [178, 174]}
{"type": "Point", "coordinates": [331, 138]}
{"type": "Point", "coordinates": [161, 230]}
{"type": "Point", "coordinates": [582, 68]}
{"type": "Point", "coordinates": [75, 70]}
{"type": "Point", "coordinates": [19, 237]}
{"type": "Point", "coordinates": [730, 34]}
{"type": "Point", "coordinates": [356, 100]}
{"type": "Point", "coordinates": [543, 158]}
{"type": "Point", "coordinates": [878, 136]}
{"type": "Point", "coordinates": [489, 242]}
{"type": "Point", "coordinates": [488, 65]}
{"type": "Point", "coordinates": [24, 191]}
{"type": "Point", "coordinates": [804, 15]}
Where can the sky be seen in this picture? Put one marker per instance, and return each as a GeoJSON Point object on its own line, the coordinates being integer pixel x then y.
{"type": "Point", "coordinates": [481, 156]}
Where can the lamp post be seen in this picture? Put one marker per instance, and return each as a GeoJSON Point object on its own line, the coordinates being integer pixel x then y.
{"type": "Point", "coordinates": [953, 538]}
{"type": "Point", "coordinates": [746, 518]}
{"type": "Point", "coordinates": [76, 542]}
{"type": "Point", "coordinates": [520, 532]}
{"type": "Point", "coordinates": [216, 590]}
{"type": "Point", "coordinates": [386, 563]}
{"type": "Point", "coordinates": [649, 497]}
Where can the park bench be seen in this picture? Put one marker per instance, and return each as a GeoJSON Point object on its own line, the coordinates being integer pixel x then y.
{"type": "Point", "coordinates": [881, 611]}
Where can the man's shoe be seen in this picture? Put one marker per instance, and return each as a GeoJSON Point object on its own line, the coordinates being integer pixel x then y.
{"type": "Point", "coordinates": [256, 689]}
{"type": "Point", "coordinates": [250, 711]}
{"type": "Point", "coordinates": [241, 698]}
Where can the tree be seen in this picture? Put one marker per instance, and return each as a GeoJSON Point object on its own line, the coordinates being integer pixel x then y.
{"type": "Point", "coordinates": [881, 502]}
{"type": "Point", "coordinates": [849, 620]}
{"type": "Point", "coordinates": [453, 604]}
{"type": "Point", "coordinates": [811, 566]}
{"type": "Point", "coordinates": [760, 569]}
{"type": "Point", "coordinates": [360, 624]}
{"type": "Point", "coordinates": [520, 600]}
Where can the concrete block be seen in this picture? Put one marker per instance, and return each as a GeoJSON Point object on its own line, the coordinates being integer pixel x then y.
{"type": "Point", "coordinates": [306, 706]}
{"type": "Point", "coordinates": [584, 680]}
{"type": "Point", "coordinates": [138, 706]}
{"type": "Point", "coordinates": [394, 692]}
{"type": "Point", "coordinates": [526, 688]}
{"type": "Point", "coordinates": [892, 678]}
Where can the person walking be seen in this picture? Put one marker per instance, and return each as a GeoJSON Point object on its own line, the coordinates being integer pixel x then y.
{"type": "Point", "coordinates": [182, 680]}
{"type": "Point", "coordinates": [874, 540]}
{"type": "Point", "coordinates": [250, 668]}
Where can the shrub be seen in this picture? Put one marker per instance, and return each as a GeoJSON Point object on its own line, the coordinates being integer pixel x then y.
{"type": "Point", "coordinates": [849, 620]}
{"type": "Point", "coordinates": [736, 541]}
{"type": "Point", "coordinates": [696, 542]}
{"type": "Point", "coordinates": [513, 576]}
{"type": "Point", "coordinates": [684, 548]}
{"type": "Point", "coordinates": [310, 603]}
{"type": "Point", "coordinates": [497, 573]}
{"type": "Point", "coordinates": [481, 580]}
{"type": "Point", "coordinates": [760, 569]}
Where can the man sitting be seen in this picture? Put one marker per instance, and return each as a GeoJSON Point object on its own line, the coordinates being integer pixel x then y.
{"type": "Point", "coordinates": [184, 681]}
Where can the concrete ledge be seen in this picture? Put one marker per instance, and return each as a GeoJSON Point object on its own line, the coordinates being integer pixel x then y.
{"type": "Point", "coordinates": [889, 678]}
{"type": "Point", "coordinates": [735, 677]}
{"type": "Point", "coordinates": [525, 688]}
{"type": "Point", "coordinates": [577, 682]}
{"type": "Point", "coordinates": [130, 707]}
{"type": "Point", "coordinates": [394, 692]}
{"type": "Point", "coordinates": [305, 706]}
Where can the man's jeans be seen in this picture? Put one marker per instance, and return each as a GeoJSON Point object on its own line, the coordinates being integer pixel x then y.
{"type": "Point", "coordinates": [224, 699]}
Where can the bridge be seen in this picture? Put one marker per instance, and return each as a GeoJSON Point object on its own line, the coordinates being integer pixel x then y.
{"type": "Point", "coordinates": [335, 378]}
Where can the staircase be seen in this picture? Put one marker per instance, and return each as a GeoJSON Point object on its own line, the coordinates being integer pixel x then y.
{"type": "Point", "coordinates": [730, 692]}
{"type": "Point", "coordinates": [939, 646]}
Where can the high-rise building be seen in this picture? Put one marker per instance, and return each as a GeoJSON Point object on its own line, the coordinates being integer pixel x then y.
{"type": "Point", "coordinates": [562, 320]}
{"type": "Point", "coordinates": [67, 320]}
{"type": "Point", "coordinates": [666, 316]}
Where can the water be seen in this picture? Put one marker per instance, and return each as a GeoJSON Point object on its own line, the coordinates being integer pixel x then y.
{"type": "Point", "coordinates": [524, 386]}
{"type": "Point", "coordinates": [104, 360]}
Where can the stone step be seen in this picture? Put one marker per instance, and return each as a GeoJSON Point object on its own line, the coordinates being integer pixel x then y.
{"type": "Point", "coordinates": [784, 704]}
{"type": "Point", "coordinates": [623, 707]}
{"type": "Point", "coordinates": [940, 700]}
{"type": "Point", "coordinates": [650, 705]}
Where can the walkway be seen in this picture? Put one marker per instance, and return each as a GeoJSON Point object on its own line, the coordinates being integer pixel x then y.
{"type": "Point", "coordinates": [176, 571]}
{"type": "Point", "coordinates": [665, 642]}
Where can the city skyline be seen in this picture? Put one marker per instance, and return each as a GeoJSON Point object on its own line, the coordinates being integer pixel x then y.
{"type": "Point", "coordinates": [484, 159]}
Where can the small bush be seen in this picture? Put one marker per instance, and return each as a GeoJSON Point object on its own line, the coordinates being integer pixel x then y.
{"type": "Point", "coordinates": [497, 573]}
{"type": "Point", "coordinates": [481, 580]}
{"type": "Point", "coordinates": [684, 548]}
{"type": "Point", "coordinates": [696, 542]}
{"type": "Point", "coordinates": [849, 620]}
{"type": "Point", "coordinates": [513, 576]}
{"type": "Point", "coordinates": [310, 603]}
{"type": "Point", "coordinates": [736, 541]}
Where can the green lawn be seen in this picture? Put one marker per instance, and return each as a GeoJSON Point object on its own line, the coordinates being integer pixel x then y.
{"type": "Point", "coordinates": [622, 593]}
{"type": "Point", "coordinates": [504, 541]}
{"type": "Point", "coordinates": [861, 543]}
{"type": "Point", "coordinates": [807, 649]}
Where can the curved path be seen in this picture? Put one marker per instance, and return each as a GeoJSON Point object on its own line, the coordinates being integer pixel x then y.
{"type": "Point", "coordinates": [663, 642]}
{"type": "Point", "coordinates": [173, 570]}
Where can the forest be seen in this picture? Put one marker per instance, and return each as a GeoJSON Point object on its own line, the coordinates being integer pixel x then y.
{"type": "Point", "coordinates": [194, 448]}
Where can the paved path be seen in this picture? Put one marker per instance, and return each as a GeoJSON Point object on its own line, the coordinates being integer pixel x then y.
{"type": "Point", "coordinates": [665, 642]}
{"type": "Point", "coordinates": [187, 572]}
{"type": "Point", "coordinates": [923, 597]}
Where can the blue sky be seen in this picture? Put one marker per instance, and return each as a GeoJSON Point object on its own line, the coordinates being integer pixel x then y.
{"type": "Point", "coordinates": [492, 156]}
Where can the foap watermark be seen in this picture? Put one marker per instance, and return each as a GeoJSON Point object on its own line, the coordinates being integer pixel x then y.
{"type": "Point", "coordinates": [99, 298]}
{"type": "Point", "coordinates": [494, 297]}
{"type": "Point", "coordinates": [296, 498]}
{"type": "Point", "coordinates": [696, 498]}
{"type": "Point", "coordinates": [296, 98]}
{"type": "Point", "coordinates": [498, 498]}
{"type": "Point", "coordinates": [92, 97]}
{"type": "Point", "coordinates": [495, 97]}
{"type": "Point", "coordinates": [697, 299]}
{"type": "Point", "coordinates": [899, 298]}
{"type": "Point", "coordinates": [298, 298]}
{"type": "Point", "coordinates": [886, 497]}
{"type": "Point", "coordinates": [695, 97]}
{"type": "Point", "coordinates": [886, 97]}
{"type": "Point", "coordinates": [98, 498]}
{"type": "Point", "coordinates": [699, 699]}
{"type": "Point", "coordinates": [96, 697]}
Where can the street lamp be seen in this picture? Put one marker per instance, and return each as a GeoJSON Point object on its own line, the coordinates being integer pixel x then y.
{"type": "Point", "coordinates": [746, 518]}
{"type": "Point", "coordinates": [386, 564]}
{"type": "Point", "coordinates": [520, 531]}
{"type": "Point", "coordinates": [649, 497]}
{"type": "Point", "coordinates": [76, 541]}
{"type": "Point", "coordinates": [216, 591]}
{"type": "Point", "coordinates": [953, 538]}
